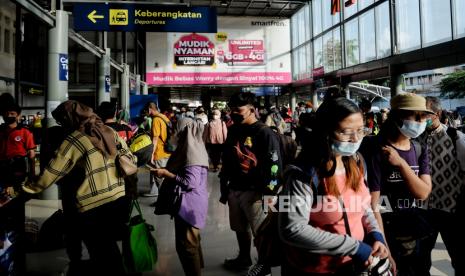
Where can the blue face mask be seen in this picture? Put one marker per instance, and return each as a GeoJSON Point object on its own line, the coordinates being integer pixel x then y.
{"type": "Point", "coordinates": [412, 129]}
{"type": "Point", "coordinates": [345, 148]}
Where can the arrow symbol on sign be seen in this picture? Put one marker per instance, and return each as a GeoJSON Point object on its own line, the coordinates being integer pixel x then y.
{"type": "Point", "coordinates": [92, 16]}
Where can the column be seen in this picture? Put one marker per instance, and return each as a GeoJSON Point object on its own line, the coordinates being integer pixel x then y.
{"type": "Point", "coordinates": [293, 100]}
{"type": "Point", "coordinates": [125, 88]}
{"type": "Point", "coordinates": [57, 77]}
{"type": "Point", "coordinates": [396, 84]}
{"type": "Point", "coordinates": [104, 78]}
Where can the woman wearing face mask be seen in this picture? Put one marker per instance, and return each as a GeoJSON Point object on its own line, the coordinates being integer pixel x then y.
{"type": "Point", "coordinates": [214, 136]}
{"type": "Point", "coordinates": [399, 180]}
{"type": "Point", "coordinates": [188, 168]}
{"type": "Point", "coordinates": [319, 237]}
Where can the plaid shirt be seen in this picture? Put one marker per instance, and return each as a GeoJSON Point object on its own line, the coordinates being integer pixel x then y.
{"type": "Point", "coordinates": [101, 184]}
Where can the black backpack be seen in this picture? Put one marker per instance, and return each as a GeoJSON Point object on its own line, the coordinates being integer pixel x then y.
{"type": "Point", "coordinates": [288, 147]}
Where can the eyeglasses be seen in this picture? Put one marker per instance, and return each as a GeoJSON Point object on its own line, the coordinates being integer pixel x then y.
{"type": "Point", "coordinates": [348, 135]}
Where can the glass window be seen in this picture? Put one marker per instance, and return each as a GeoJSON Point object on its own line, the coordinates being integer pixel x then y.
{"type": "Point", "coordinates": [350, 10]}
{"type": "Point", "coordinates": [328, 52]}
{"type": "Point", "coordinates": [383, 30]}
{"type": "Point", "coordinates": [301, 22]}
{"type": "Point", "coordinates": [295, 64]}
{"type": "Point", "coordinates": [307, 23]}
{"type": "Point", "coordinates": [408, 25]}
{"type": "Point", "coordinates": [6, 40]}
{"type": "Point", "coordinates": [308, 58]}
{"type": "Point", "coordinates": [459, 18]}
{"type": "Point", "coordinates": [337, 16]}
{"type": "Point", "coordinates": [351, 42]}
{"type": "Point", "coordinates": [436, 21]}
{"type": "Point", "coordinates": [316, 8]}
{"type": "Point", "coordinates": [294, 27]}
{"type": "Point", "coordinates": [327, 16]}
{"type": "Point", "coordinates": [364, 3]}
{"type": "Point", "coordinates": [302, 60]}
{"type": "Point", "coordinates": [318, 52]}
{"type": "Point", "coordinates": [337, 49]}
{"type": "Point", "coordinates": [367, 36]}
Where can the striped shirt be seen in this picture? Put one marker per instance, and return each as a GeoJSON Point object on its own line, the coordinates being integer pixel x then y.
{"type": "Point", "coordinates": [101, 184]}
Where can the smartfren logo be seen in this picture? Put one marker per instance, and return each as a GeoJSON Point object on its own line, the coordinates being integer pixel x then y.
{"type": "Point", "coordinates": [268, 23]}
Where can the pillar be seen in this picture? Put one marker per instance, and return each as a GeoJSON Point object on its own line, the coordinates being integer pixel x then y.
{"type": "Point", "coordinates": [57, 77]}
{"type": "Point", "coordinates": [293, 100]}
{"type": "Point", "coordinates": [125, 88]}
{"type": "Point", "coordinates": [104, 78]}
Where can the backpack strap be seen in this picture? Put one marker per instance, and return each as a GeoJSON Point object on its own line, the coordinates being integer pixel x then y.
{"type": "Point", "coordinates": [417, 147]}
{"type": "Point", "coordinates": [167, 128]}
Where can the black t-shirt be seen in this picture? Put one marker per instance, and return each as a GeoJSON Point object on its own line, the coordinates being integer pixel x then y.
{"type": "Point", "coordinates": [264, 144]}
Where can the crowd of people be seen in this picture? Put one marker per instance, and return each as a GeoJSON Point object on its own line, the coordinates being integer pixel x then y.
{"type": "Point", "coordinates": [365, 188]}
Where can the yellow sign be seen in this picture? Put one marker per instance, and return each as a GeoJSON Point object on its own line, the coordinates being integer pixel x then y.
{"type": "Point", "coordinates": [221, 36]}
{"type": "Point", "coordinates": [92, 16]}
{"type": "Point", "coordinates": [118, 17]}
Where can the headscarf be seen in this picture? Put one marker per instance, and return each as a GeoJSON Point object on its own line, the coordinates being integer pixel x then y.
{"type": "Point", "coordinates": [191, 148]}
{"type": "Point", "coordinates": [73, 115]}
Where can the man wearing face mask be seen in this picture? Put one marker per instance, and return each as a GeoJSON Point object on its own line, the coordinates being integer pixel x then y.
{"type": "Point", "coordinates": [399, 178]}
{"type": "Point", "coordinates": [251, 167]}
{"type": "Point", "coordinates": [447, 154]}
{"type": "Point", "coordinates": [17, 152]}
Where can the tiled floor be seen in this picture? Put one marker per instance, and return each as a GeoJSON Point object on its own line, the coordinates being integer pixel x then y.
{"type": "Point", "coordinates": [218, 241]}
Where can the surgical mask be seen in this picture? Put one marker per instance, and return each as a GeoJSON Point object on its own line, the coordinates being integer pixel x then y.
{"type": "Point", "coordinates": [429, 123]}
{"type": "Point", "coordinates": [216, 117]}
{"type": "Point", "coordinates": [237, 118]}
{"type": "Point", "coordinates": [309, 109]}
{"type": "Point", "coordinates": [412, 129]}
{"type": "Point", "coordinates": [346, 148]}
{"type": "Point", "coordinates": [10, 120]}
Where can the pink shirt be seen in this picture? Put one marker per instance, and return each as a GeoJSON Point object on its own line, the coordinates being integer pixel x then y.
{"type": "Point", "coordinates": [327, 215]}
{"type": "Point", "coordinates": [215, 132]}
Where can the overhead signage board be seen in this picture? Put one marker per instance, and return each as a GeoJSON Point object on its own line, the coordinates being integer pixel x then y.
{"type": "Point", "coordinates": [132, 17]}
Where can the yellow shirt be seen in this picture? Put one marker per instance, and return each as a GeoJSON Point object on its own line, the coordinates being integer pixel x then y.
{"type": "Point", "coordinates": [159, 130]}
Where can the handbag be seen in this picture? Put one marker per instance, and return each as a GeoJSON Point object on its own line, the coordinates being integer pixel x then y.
{"type": "Point", "coordinates": [404, 228]}
{"type": "Point", "coordinates": [169, 198]}
{"type": "Point", "coordinates": [125, 161]}
{"type": "Point", "coordinates": [139, 246]}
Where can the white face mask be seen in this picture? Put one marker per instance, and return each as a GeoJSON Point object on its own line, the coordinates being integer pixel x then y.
{"type": "Point", "coordinates": [216, 117]}
{"type": "Point", "coordinates": [412, 129]}
{"type": "Point", "coordinates": [346, 148]}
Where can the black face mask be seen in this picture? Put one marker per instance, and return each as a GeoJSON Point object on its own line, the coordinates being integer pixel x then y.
{"type": "Point", "coordinates": [237, 118]}
{"type": "Point", "coordinates": [10, 120]}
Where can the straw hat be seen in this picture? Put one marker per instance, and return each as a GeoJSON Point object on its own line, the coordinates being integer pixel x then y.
{"type": "Point", "coordinates": [410, 101]}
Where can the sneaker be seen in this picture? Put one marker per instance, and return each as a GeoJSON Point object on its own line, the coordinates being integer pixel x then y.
{"type": "Point", "coordinates": [259, 270]}
{"type": "Point", "coordinates": [237, 263]}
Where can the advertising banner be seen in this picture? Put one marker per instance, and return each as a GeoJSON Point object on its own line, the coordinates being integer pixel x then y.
{"type": "Point", "coordinates": [243, 51]}
{"type": "Point", "coordinates": [63, 67]}
{"type": "Point", "coordinates": [194, 50]}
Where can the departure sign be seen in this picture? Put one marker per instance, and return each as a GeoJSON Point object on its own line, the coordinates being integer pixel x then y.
{"type": "Point", "coordinates": [143, 17]}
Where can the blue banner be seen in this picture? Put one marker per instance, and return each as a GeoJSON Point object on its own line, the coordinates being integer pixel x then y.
{"type": "Point", "coordinates": [122, 17]}
{"type": "Point", "coordinates": [63, 67]}
{"type": "Point", "coordinates": [107, 84]}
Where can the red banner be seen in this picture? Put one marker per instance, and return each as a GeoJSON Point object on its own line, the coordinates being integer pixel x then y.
{"type": "Point", "coordinates": [194, 50]}
{"type": "Point", "coordinates": [244, 52]}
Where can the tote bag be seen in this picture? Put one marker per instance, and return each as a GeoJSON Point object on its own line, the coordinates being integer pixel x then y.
{"type": "Point", "coordinates": [139, 246]}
